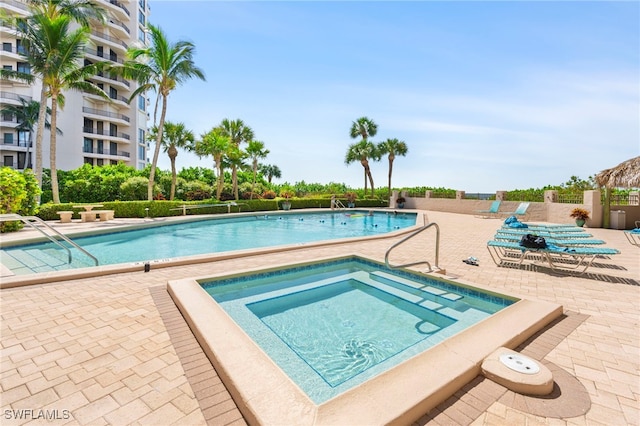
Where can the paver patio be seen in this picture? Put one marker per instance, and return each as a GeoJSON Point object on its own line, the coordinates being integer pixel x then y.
{"type": "Point", "coordinates": [115, 350]}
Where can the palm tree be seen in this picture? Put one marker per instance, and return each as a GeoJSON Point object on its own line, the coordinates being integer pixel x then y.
{"type": "Point", "coordinates": [256, 151]}
{"type": "Point", "coordinates": [362, 151]}
{"type": "Point", "coordinates": [270, 171]}
{"type": "Point", "coordinates": [160, 67]}
{"type": "Point", "coordinates": [237, 132]}
{"type": "Point", "coordinates": [40, 51]}
{"type": "Point", "coordinates": [365, 128]}
{"type": "Point", "coordinates": [392, 147]}
{"type": "Point", "coordinates": [235, 158]}
{"type": "Point", "coordinates": [27, 117]}
{"type": "Point", "coordinates": [175, 136]}
{"type": "Point", "coordinates": [56, 54]}
{"type": "Point", "coordinates": [214, 143]}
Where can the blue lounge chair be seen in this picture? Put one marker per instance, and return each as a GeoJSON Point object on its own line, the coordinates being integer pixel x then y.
{"type": "Point", "coordinates": [559, 259]}
{"type": "Point", "coordinates": [633, 236]}
{"type": "Point", "coordinates": [520, 211]}
{"type": "Point", "coordinates": [551, 240]}
{"type": "Point", "coordinates": [546, 234]}
{"type": "Point", "coordinates": [493, 210]}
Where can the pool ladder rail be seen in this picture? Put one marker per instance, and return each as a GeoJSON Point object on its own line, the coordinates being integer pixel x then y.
{"type": "Point", "coordinates": [408, 237]}
{"type": "Point", "coordinates": [42, 227]}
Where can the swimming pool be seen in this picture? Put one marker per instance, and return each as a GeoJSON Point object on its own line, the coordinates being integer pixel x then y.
{"type": "Point", "coordinates": [333, 325]}
{"type": "Point", "coordinates": [196, 237]}
{"type": "Point", "coordinates": [447, 329]}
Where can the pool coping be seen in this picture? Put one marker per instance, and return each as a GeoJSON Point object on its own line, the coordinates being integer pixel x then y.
{"type": "Point", "coordinates": [400, 395]}
{"type": "Point", "coordinates": [11, 281]}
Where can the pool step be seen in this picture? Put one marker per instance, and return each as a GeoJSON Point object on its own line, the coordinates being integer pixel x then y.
{"type": "Point", "coordinates": [32, 260]}
{"type": "Point", "coordinates": [428, 289]}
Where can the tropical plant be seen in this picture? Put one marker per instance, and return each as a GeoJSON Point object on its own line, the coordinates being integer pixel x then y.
{"type": "Point", "coordinates": [579, 213]}
{"type": "Point", "coordinates": [216, 144]}
{"type": "Point", "coordinates": [160, 67]}
{"type": "Point", "coordinates": [176, 135]}
{"type": "Point", "coordinates": [56, 51]}
{"type": "Point", "coordinates": [18, 194]}
{"type": "Point", "coordinates": [392, 147]}
{"type": "Point", "coordinates": [43, 53]}
{"type": "Point", "coordinates": [270, 171]}
{"type": "Point", "coordinates": [237, 132]}
{"type": "Point", "coordinates": [255, 151]}
{"type": "Point", "coordinates": [27, 117]}
{"type": "Point", "coordinates": [364, 150]}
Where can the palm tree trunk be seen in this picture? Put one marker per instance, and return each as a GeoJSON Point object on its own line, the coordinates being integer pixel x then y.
{"type": "Point", "coordinates": [255, 172]}
{"type": "Point", "coordinates": [52, 150]}
{"type": "Point", "coordinates": [390, 172]}
{"type": "Point", "coordinates": [27, 159]}
{"type": "Point", "coordinates": [371, 181]}
{"type": "Point", "coordinates": [234, 179]}
{"type": "Point", "coordinates": [173, 178]}
{"type": "Point", "coordinates": [42, 116]}
{"type": "Point", "coordinates": [156, 152]}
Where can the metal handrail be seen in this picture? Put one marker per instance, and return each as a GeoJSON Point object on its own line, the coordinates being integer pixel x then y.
{"type": "Point", "coordinates": [27, 220]}
{"type": "Point", "coordinates": [413, 234]}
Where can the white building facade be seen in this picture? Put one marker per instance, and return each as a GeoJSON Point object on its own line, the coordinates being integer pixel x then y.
{"type": "Point", "coordinates": [94, 131]}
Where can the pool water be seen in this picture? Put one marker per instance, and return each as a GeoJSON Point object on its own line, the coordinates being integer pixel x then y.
{"type": "Point", "coordinates": [333, 325]}
{"type": "Point", "coordinates": [204, 236]}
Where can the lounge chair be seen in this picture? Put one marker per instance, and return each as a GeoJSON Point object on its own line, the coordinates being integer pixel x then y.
{"type": "Point", "coordinates": [552, 240]}
{"type": "Point", "coordinates": [520, 211]}
{"type": "Point", "coordinates": [493, 210]}
{"type": "Point", "coordinates": [633, 236]}
{"type": "Point", "coordinates": [546, 234]}
{"type": "Point", "coordinates": [559, 259]}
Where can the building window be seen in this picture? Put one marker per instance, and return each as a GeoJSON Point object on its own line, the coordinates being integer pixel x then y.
{"type": "Point", "coordinates": [23, 137]}
{"type": "Point", "coordinates": [7, 67]}
{"type": "Point", "coordinates": [113, 148]}
{"type": "Point", "coordinates": [22, 159]}
{"type": "Point", "coordinates": [99, 161]}
{"type": "Point", "coordinates": [7, 47]}
{"type": "Point", "coordinates": [88, 146]}
{"type": "Point", "coordinates": [100, 149]}
{"type": "Point", "coordinates": [141, 17]}
{"type": "Point", "coordinates": [7, 116]}
{"type": "Point", "coordinates": [141, 136]}
{"type": "Point", "coordinates": [8, 138]}
{"type": "Point", "coordinates": [141, 154]}
{"type": "Point", "coordinates": [24, 67]}
{"type": "Point", "coordinates": [113, 93]}
{"type": "Point", "coordinates": [141, 3]}
{"type": "Point", "coordinates": [141, 35]}
{"type": "Point", "coordinates": [8, 160]}
{"type": "Point", "coordinates": [20, 48]}
{"type": "Point", "coordinates": [142, 103]}
{"type": "Point", "coordinates": [88, 160]}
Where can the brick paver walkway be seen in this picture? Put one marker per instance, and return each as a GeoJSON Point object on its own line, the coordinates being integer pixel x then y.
{"type": "Point", "coordinates": [114, 349]}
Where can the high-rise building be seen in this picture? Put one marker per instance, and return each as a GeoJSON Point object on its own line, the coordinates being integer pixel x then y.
{"type": "Point", "coordinates": [94, 131]}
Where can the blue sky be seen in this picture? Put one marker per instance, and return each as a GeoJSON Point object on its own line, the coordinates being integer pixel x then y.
{"type": "Point", "coordinates": [487, 95]}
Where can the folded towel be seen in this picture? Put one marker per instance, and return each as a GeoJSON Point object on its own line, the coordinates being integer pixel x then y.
{"type": "Point", "coordinates": [517, 224]}
{"type": "Point", "coordinates": [554, 247]}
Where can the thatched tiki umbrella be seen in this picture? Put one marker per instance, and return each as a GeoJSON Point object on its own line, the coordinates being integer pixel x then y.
{"type": "Point", "coordinates": [624, 175]}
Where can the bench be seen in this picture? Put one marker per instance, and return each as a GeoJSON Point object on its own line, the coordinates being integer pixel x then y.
{"type": "Point", "coordinates": [104, 214]}
{"type": "Point", "coordinates": [92, 216]}
{"type": "Point", "coordinates": [65, 216]}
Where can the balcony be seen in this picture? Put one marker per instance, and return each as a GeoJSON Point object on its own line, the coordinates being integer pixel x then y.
{"type": "Point", "coordinates": [108, 133]}
{"type": "Point", "coordinates": [107, 152]}
{"type": "Point", "coordinates": [101, 55]}
{"type": "Point", "coordinates": [110, 39]}
{"type": "Point", "coordinates": [119, 26]}
{"type": "Point", "coordinates": [111, 79]}
{"type": "Point", "coordinates": [13, 98]}
{"type": "Point", "coordinates": [102, 113]}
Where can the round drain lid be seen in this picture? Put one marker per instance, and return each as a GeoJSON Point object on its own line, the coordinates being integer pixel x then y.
{"type": "Point", "coordinates": [520, 363]}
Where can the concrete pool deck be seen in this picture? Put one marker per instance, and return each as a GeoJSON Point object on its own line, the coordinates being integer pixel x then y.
{"type": "Point", "coordinates": [115, 350]}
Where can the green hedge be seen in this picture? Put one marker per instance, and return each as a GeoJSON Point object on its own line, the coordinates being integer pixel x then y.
{"type": "Point", "coordinates": [163, 208]}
